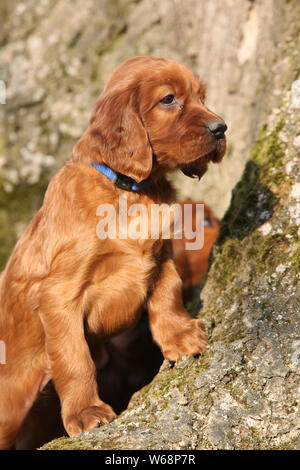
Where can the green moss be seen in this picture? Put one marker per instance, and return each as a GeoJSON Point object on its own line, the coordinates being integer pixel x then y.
{"type": "Point", "coordinates": [145, 390]}
{"type": "Point", "coordinates": [66, 443]}
{"type": "Point", "coordinates": [226, 263]}
{"type": "Point", "coordinates": [289, 445]}
{"type": "Point", "coordinates": [268, 152]}
{"type": "Point", "coordinates": [292, 407]}
{"type": "Point", "coordinates": [296, 260]}
{"type": "Point", "coordinates": [230, 435]}
{"type": "Point", "coordinates": [271, 250]}
{"type": "Point", "coordinates": [16, 209]}
{"type": "Point", "coordinates": [237, 333]}
{"type": "Point", "coordinates": [204, 444]}
{"type": "Point", "coordinates": [253, 201]}
{"type": "Point", "coordinates": [251, 205]}
{"type": "Point", "coordinates": [252, 441]}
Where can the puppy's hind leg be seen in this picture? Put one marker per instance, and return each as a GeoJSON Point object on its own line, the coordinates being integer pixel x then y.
{"type": "Point", "coordinates": [9, 430]}
{"type": "Point", "coordinates": [17, 395]}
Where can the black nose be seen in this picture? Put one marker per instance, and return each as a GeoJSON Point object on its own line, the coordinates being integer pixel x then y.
{"type": "Point", "coordinates": [217, 129]}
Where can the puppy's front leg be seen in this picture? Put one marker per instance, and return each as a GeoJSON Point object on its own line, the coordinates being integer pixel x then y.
{"type": "Point", "coordinates": [72, 369]}
{"type": "Point", "coordinates": [176, 333]}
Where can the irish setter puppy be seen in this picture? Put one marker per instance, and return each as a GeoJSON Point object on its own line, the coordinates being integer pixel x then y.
{"type": "Point", "coordinates": [130, 360]}
{"type": "Point", "coordinates": [192, 265]}
{"type": "Point", "coordinates": [64, 285]}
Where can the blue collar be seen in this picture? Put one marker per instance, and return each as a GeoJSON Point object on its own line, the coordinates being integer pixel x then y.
{"type": "Point", "coordinates": [121, 181]}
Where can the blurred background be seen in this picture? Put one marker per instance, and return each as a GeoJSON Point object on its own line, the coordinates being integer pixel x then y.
{"type": "Point", "coordinates": [56, 55]}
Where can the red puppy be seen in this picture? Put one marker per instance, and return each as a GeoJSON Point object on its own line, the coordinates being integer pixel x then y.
{"type": "Point", "coordinates": [63, 286]}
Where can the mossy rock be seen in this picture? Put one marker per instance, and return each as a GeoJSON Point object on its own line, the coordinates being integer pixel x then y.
{"type": "Point", "coordinates": [17, 207]}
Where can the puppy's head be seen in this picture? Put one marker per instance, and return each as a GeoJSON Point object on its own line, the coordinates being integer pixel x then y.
{"type": "Point", "coordinates": [150, 117]}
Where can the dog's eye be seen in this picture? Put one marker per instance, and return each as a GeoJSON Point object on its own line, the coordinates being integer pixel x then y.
{"type": "Point", "coordinates": [169, 99]}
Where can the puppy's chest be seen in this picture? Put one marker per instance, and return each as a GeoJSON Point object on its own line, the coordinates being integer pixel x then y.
{"type": "Point", "coordinates": [131, 235]}
{"type": "Point", "coordinates": [142, 254]}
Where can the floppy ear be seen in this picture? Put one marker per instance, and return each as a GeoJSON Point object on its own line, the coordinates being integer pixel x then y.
{"type": "Point", "coordinates": [116, 135]}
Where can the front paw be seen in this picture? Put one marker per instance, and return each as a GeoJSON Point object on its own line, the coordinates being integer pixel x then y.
{"type": "Point", "coordinates": [183, 339]}
{"type": "Point", "coordinates": [89, 418]}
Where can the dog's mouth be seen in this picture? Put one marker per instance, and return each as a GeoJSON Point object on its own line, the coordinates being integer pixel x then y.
{"type": "Point", "coordinates": [197, 168]}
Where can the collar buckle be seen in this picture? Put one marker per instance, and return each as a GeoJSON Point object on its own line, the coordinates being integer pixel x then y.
{"type": "Point", "coordinates": [124, 182]}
